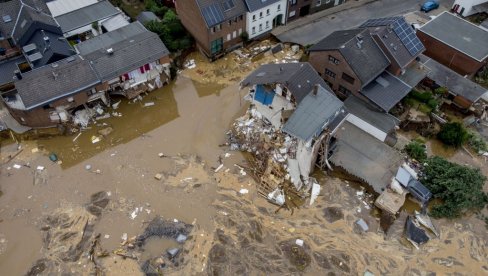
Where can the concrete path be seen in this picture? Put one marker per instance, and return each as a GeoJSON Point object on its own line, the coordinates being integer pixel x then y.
{"type": "Point", "coordinates": [311, 29]}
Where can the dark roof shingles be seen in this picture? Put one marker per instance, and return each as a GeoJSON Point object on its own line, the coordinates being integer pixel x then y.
{"type": "Point", "coordinates": [299, 78]}
{"type": "Point", "coordinates": [48, 83]}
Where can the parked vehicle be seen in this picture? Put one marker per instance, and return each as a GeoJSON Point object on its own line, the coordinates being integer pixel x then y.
{"type": "Point", "coordinates": [419, 191]}
{"type": "Point", "coordinates": [429, 6]}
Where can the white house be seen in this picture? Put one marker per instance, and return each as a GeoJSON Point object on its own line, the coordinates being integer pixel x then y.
{"type": "Point", "coordinates": [264, 15]}
{"type": "Point", "coordinates": [469, 7]}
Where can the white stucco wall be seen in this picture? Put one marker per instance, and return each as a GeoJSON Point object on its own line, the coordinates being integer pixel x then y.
{"type": "Point", "coordinates": [372, 130]}
{"type": "Point", "coordinates": [468, 6]}
{"type": "Point", "coordinates": [261, 20]}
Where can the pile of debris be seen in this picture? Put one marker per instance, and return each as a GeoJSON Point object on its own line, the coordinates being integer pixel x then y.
{"type": "Point", "coordinates": [272, 162]}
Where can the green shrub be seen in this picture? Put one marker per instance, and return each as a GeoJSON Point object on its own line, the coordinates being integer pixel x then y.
{"type": "Point", "coordinates": [432, 103]}
{"type": "Point", "coordinates": [459, 187]}
{"type": "Point", "coordinates": [440, 91]}
{"type": "Point", "coordinates": [416, 150]}
{"type": "Point", "coordinates": [421, 96]}
{"type": "Point", "coordinates": [453, 134]}
{"type": "Point", "coordinates": [476, 142]}
{"type": "Point", "coordinates": [409, 102]}
{"type": "Point", "coordinates": [424, 108]}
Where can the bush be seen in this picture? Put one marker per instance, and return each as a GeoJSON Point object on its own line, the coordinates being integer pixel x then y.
{"type": "Point", "coordinates": [244, 36]}
{"type": "Point", "coordinates": [171, 32]}
{"type": "Point", "coordinates": [432, 103]}
{"type": "Point", "coordinates": [459, 187]}
{"type": "Point", "coordinates": [409, 102]}
{"type": "Point", "coordinates": [440, 91]}
{"type": "Point", "coordinates": [476, 142]}
{"type": "Point", "coordinates": [453, 134]}
{"type": "Point", "coordinates": [416, 150]}
{"type": "Point", "coordinates": [421, 96]}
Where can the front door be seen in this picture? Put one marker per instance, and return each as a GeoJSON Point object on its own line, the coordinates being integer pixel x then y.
{"type": "Point", "coordinates": [277, 21]}
{"type": "Point", "coordinates": [305, 10]}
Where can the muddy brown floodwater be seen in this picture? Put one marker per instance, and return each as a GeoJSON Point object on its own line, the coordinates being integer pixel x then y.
{"type": "Point", "coordinates": [49, 225]}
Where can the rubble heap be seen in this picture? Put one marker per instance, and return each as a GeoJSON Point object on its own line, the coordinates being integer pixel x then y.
{"type": "Point", "coordinates": [270, 149]}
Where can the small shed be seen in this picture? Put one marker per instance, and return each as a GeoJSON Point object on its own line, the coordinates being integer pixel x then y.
{"type": "Point", "coordinates": [147, 16]}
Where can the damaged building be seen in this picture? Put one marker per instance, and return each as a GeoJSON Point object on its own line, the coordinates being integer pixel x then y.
{"type": "Point", "coordinates": [128, 61]}
{"type": "Point", "coordinates": [292, 97]}
{"type": "Point", "coordinates": [296, 123]}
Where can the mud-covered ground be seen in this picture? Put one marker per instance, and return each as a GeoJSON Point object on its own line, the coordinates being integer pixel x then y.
{"type": "Point", "coordinates": [51, 223]}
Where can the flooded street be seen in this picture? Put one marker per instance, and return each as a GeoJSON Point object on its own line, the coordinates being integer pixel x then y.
{"type": "Point", "coordinates": [50, 215]}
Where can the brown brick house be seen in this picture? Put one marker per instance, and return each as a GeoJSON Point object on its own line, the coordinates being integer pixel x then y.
{"type": "Point", "coordinates": [298, 8]}
{"type": "Point", "coordinates": [456, 43]}
{"type": "Point", "coordinates": [216, 25]}
{"type": "Point", "coordinates": [375, 62]}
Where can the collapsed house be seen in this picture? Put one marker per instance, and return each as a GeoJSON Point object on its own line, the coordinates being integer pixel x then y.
{"type": "Point", "coordinates": [296, 123]}
{"type": "Point", "coordinates": [294, 99]}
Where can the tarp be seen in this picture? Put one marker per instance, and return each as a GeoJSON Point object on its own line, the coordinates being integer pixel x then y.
{"type": "Point", "coordinates": [263, 96]}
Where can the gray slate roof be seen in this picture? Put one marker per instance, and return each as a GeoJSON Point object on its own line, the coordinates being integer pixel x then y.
{"type": "Point", "coordinates": [86, 16]}
{"type": "Point", "coordinates": [456, 83]}
{"type": "Point", "coordinates": [397, 37]}
{"type": "Point", "coordinates": [7, 68]}
{"type": "Point", "coordinates": [370, 114]}
{"type": "Point", "coordinates": [40, 86]}
{"type": "Point", "coordinates": [299, 78]}
{"type": "Point", "coordinates": [313, 114]}
{"type": "Point", "coordinates": [366, 60]}
{"type": "Point", "coordinates": [369, 159]}
{"type": "Point", "coordinates": [147, 16]}
{"type": "Point", "coordinates": [12, 9]}
{"type": "Point", "coordinates": [215, 12]}
{"type": "Point", "coordinates": [459, 34]}
{"type": "Point", "coordinates": [254, 5]}
{"type": "Point", "coordinates": [133, 46]}
{"type": "Point", "coordinates": [29, 21]}
{"type": "Point", "coordinates": [386, 91]}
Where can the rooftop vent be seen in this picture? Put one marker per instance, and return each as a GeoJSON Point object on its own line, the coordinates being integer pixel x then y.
{"type": "Point", "coordinates": [54, 65]}
{"type": "Point", "coordinates": [55, 75]}
{"type": "Point", "coordinates": [110, 51]}
{"type": "Point", "coordinates": [7, 18]}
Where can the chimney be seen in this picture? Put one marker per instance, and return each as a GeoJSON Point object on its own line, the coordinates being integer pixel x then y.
{"type": "Point", "coordinates": [315, 89]}
{"type": "Point", "coordinates": [18, 75]}
{"type": "Point", "coordinates": [47, 43]}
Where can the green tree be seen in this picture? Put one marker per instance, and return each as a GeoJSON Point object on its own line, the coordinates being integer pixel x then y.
{"type": "Point", "coordinates": [171, 32]}
{"type": "Point", "coordinates": [459, 187]}
{"type": "Point", "coordinates": [453, 134]}
{"type": "Point", "coordinates": [416, 150]}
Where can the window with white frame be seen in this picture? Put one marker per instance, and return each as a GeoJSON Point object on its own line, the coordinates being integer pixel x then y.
{"type": "Point", "coordinates": [253, 30]}
{"type": "Point", "coordinates": [260, 27]}
{"type": "Point", "coordinates": [267, 24]}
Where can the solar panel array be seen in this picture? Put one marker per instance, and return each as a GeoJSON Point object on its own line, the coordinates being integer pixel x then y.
{"type": "Point", "coordinates": [408, 37]}
{"type": "Point", "coordinates": [228, 4]}
{"type": "Point", "coordinates": [401, 29]}
{"type": "Point", "coordinates": [213, 14]}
